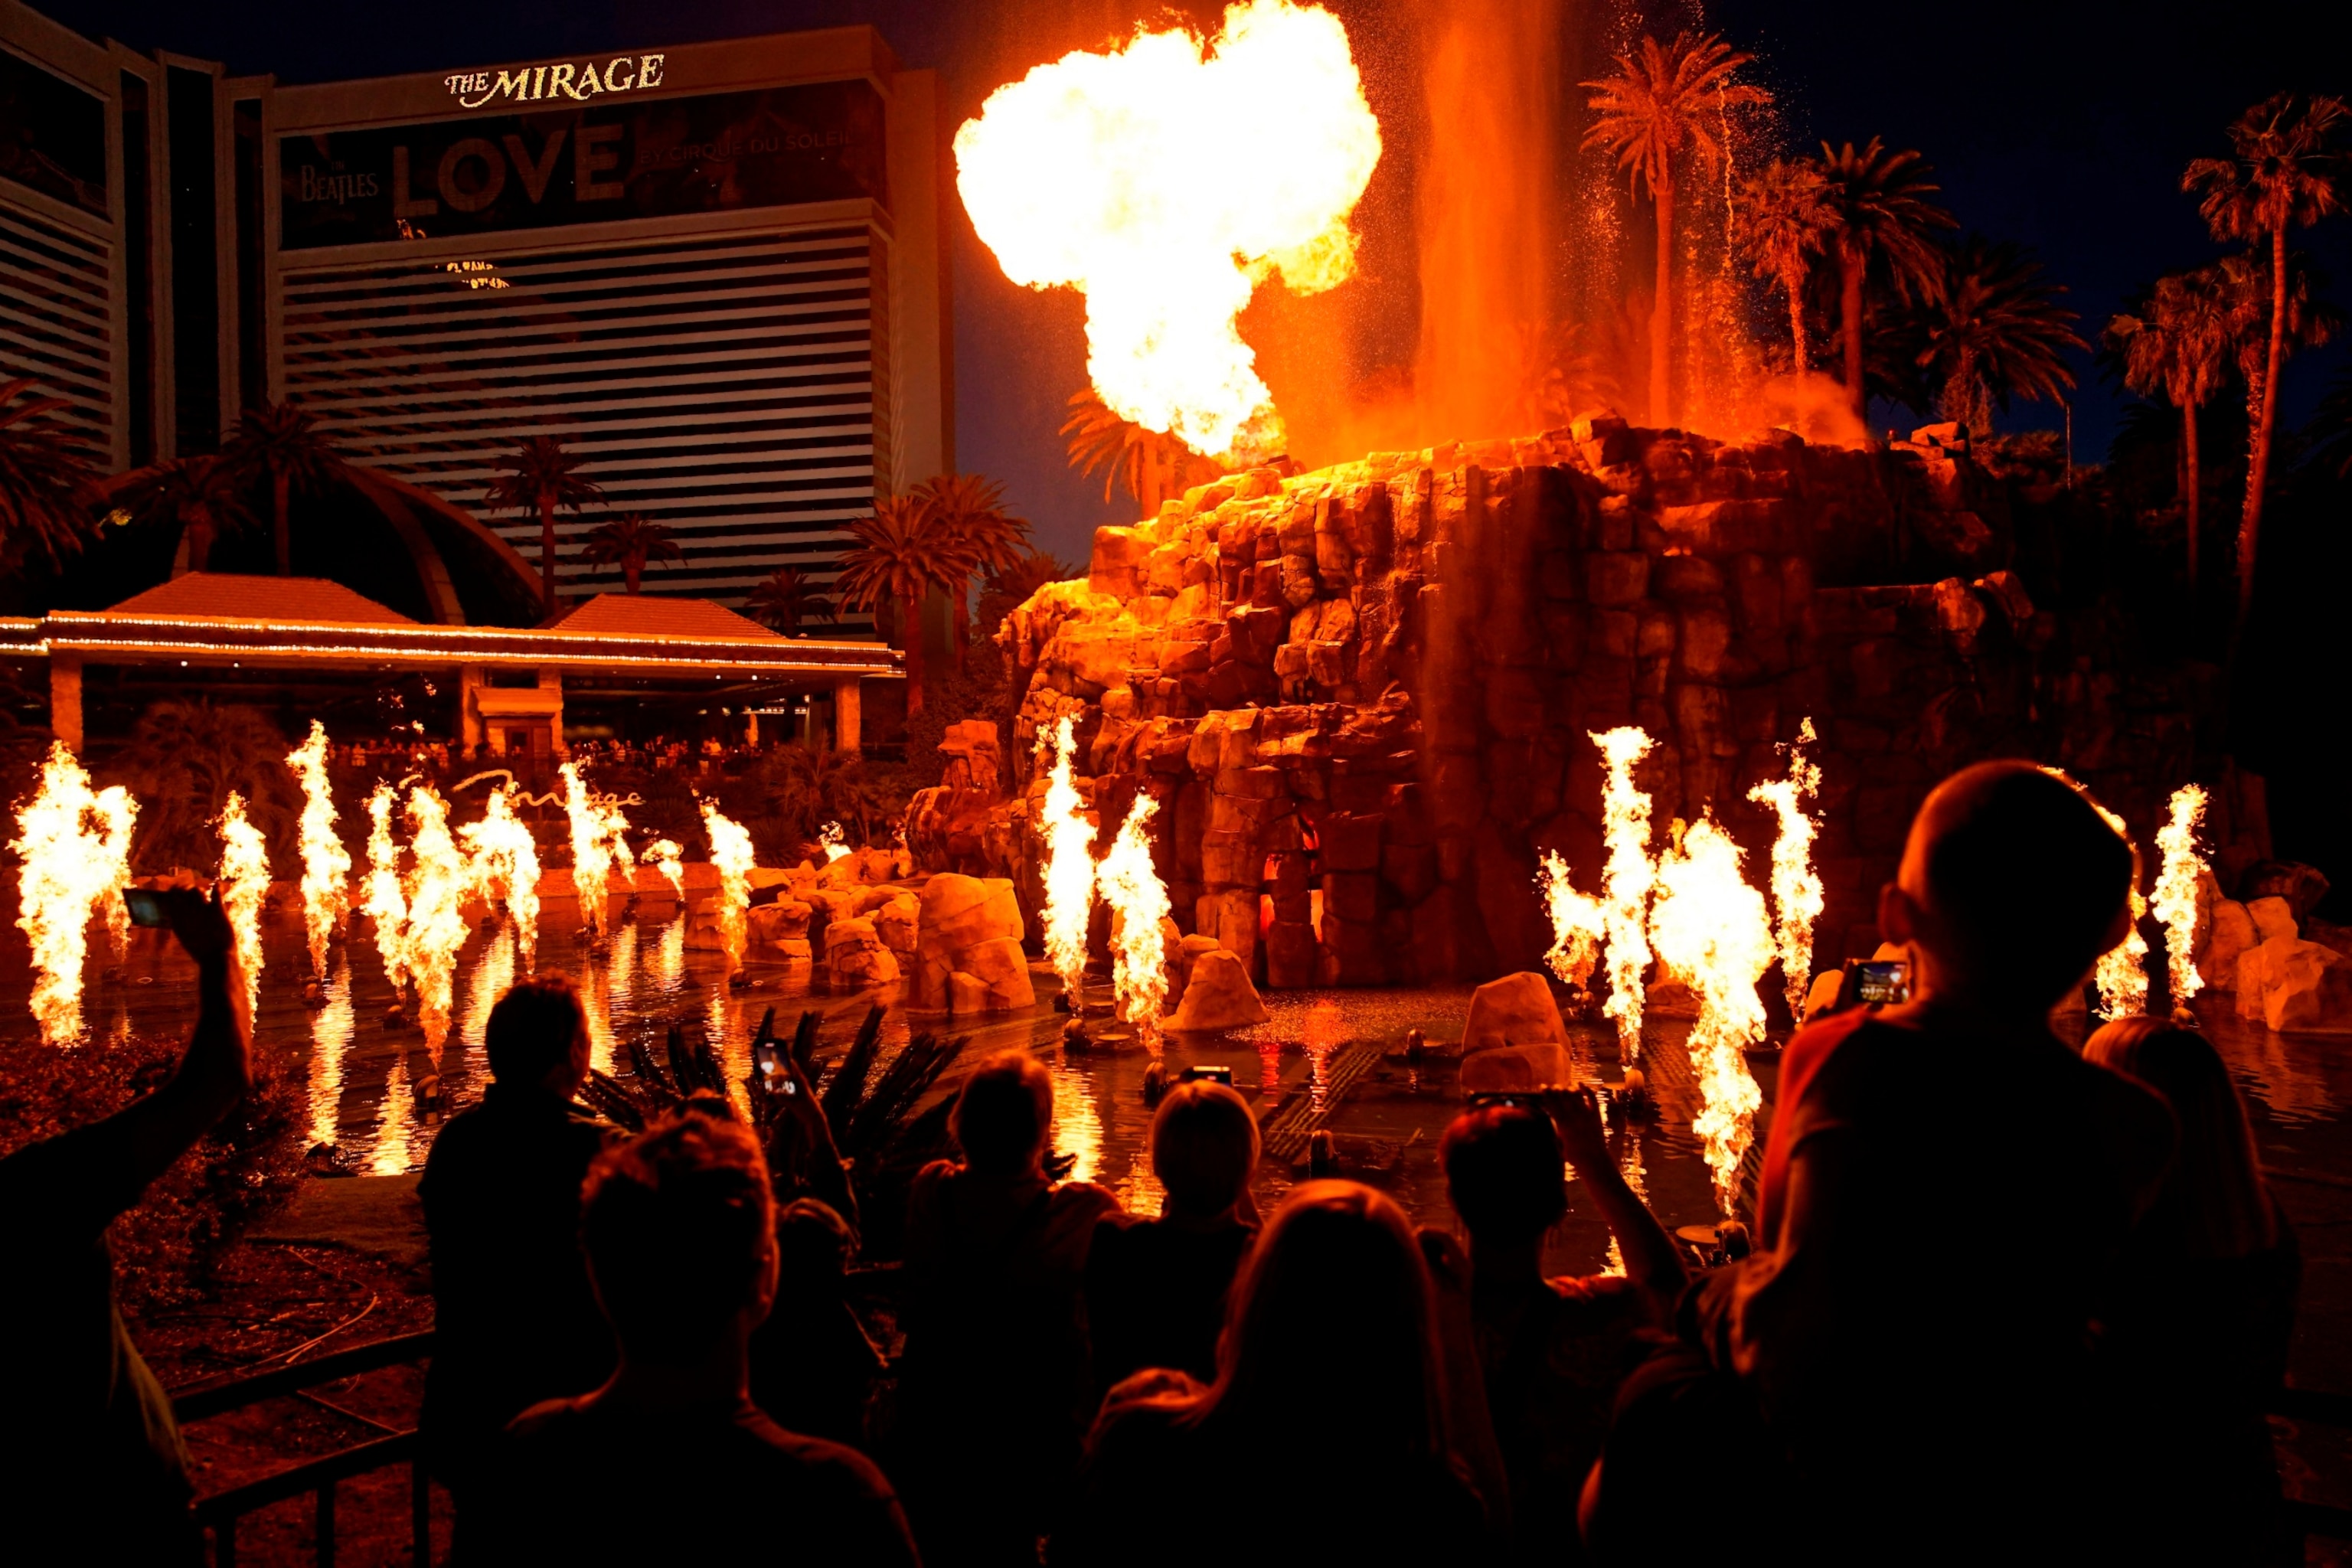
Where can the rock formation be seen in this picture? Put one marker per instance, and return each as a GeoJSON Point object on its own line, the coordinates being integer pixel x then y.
{"type": "Point", "coordinates": [967, 954]}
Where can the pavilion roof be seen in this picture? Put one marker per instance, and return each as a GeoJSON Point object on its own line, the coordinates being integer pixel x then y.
{"type": "Point", "coordinates": [235, 596]}
{"type": "Point", "coordinates": [652, 615]}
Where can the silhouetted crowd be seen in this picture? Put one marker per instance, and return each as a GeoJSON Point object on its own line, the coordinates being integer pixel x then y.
{"type": "Point", "coordinates": [2008, 1301]}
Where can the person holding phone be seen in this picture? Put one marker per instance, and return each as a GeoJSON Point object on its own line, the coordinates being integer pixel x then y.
{"type": "Point", "coordinates": [101, 1475]}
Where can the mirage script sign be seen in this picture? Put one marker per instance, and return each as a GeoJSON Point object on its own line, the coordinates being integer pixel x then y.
{"type": "Point", "coordinates": [577, 80]}
{"type": "Point", "coordinates": [555, 161]}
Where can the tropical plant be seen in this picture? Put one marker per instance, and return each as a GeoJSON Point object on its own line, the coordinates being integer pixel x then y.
{"type": "Point", "coordinates": [1019, 579]}
{"type": "Point", "coordinates": [280, 442]}
{"type": "Point", "coordinates": [971, 509]}
{"type": "Point", "coordinates": [786, 598]}
{"type": "Point", "coordinates": [1884, 221]}
{"type": "Point", "coordinates": [902, 555]}
{"type": "Point", "coordinates": [630, 542]}
{"type": "Point", "coordinates": [2176, 344]}
{"type": "Point", "coordinates": [199, 497]}
{"type": "Point", "coordinates": [1989, 330]}
{"type": "Point", "coordinates": [802, 788]}
{"type": "Point", "coordinates": [542, 476]}
{"type": "Point", "coordinates": [1151, 464]}
{"type": "Point", "coordinates": [1785, 221]}
{"type": "Point", "coordinates": [1667, 99]}
{"type": "Point", "coordinates": [47, 484]}
{"type": "Point", "coordinates": [2285, 170]}
{"type": "Point", "coordinates": [182, 760]}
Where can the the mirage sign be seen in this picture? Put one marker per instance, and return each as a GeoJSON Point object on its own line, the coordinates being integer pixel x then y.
{"type": "Point", "coordinates": [559, 160]}
{"type": "Point", "coordinates": [578, 81]}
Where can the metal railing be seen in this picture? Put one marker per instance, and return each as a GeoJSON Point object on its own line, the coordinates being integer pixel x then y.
{"type": "Point", "coordinates": [219, 1513]}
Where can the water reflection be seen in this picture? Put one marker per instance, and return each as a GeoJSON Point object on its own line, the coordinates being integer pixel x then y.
{"type": "Point", "coordinates": [1077, 1125]}
{"type": "Point", "coordinates": [668, 967]}
{"type": "Point", "coordinates": [331, 1039]}
{"type": "Point", "coordinates": [494, 970]}
{"type": "Point", "coordinates": [396, 1123]}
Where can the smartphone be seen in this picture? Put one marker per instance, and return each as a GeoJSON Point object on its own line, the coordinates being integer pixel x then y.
{"type": "Point", "coordinates": [1885, 983]}
{"type": "Point", "coordinates": [769, 1059]}
{"type": "Point", "coordinates": [146, 906]}
{"type": "Point", "coordinates": [1207, 1075]}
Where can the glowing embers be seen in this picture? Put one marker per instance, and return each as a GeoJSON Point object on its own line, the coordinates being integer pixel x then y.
{"type": "Point", "coordinates": [730, 852]}
{"type": "Point", "coordinates": [1166, 180]}
{"type": "Point", "coordinates": [2175, 895]}
{"type": "Point", "coordinates": [1710, 928]}
{"type": "Point", "coordinates": [1578, 924]}
{"type": "Point", "coordinates": [1069, 869]}
{"type": "Point", "coordinates": [502, 862]}
{"type": "Point", "coordinates": [1625, 895]}
{"type": "Point", "coordinates": [325, 864]}
{"type": "Point", "coordinates": [599, 842]}
{"type": "Point", "coordinates": [1138, 904]}
{"type": "Point", "coordinates": [74, 844]}
{"type": "Point", "coordinates": [1796, 886]}
{"type": "Point", "coordinates": [2122, 972]}
{"type": "Point", "coordinates": [244, 883]}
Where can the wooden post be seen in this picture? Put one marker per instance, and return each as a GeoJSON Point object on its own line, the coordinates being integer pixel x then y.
{"type": "Point", "coordinates": [845, 715]}
{"type": "Point", "coordinates": [552, 680]}
{"type": "Point", "coordinates": [65, 699]}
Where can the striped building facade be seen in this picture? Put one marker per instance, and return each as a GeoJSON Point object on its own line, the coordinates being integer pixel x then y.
{"type": "Point", "coordinates": [715, 271]}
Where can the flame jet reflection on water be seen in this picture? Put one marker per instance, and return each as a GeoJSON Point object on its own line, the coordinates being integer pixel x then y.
{"type": "Point", "coordinates": [1797, 901]}
{"type": "Point", "coordinates": [396, 1126]}
{"type": "Point", "coordinates": [1077, 1124]}
{"type": "Point", "coordinates": [325, 864]}
{"type": "Point", "coordinates": [494, 970]}
{"type": "Point", "coordinates": [1166, 179]}
{"type": "Point", "coordinates": [331, 1039]}
{"type": "Point", "coordinates": [74, 844]}
{"type": "Point", "coordinates": [1069, 869]}
{"type": "Point", "coordinates": [1625, 830]}
{"type": "Point", "coordinates": [244, 883]}
{"type": "Point", "coordinates": [2174, 898]}
{"type": "Point", "coordinates": [610, 989]}
{"type": "Point", "coordinates": [1710, 927]}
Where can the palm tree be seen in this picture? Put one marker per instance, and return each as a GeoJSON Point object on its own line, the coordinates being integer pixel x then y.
{"type": "Point", "coordinates": [2248, 287]}
{"type": "Point", "coordinates": [541, 476]}
{"type": "Point", "coordinates": [789, 596]}
{"type": "Point", "coordinates": [1151, 464]}
{"type": "Point", "coordinates": [902, 555]}
{"type": "Point", "coordinates": [630, 542]}
{"type": "Point", "coordinates": [47, 484]}
{"type": "Point", "coordinates": [971, 509]}
{"type": "Point", "coordinates": [2176, 343]}
{"type": "Point", "coordinates": [1883, 216]}
{"type": "Point", "coordinates": [201, 498]}
{"type": "Point", "coordinates": [280, 442]}
{"type": "Point", "coordinates": [1990, 330]}
{"type": "Point", "coordinates": [2285, 171]}
{"type": "Point", "coordinates": [1785, 221]}
{"type": "Point", "coordinates": [1665, 98]}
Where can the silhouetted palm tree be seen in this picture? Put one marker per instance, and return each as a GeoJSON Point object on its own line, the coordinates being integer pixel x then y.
{"type": "Point", "coordinates": [971, 509]}
{"type": "Point", "coordinates": [1664, 100]}
{"type": "Point", "coordinates": [2176, 343]}
{"type": "Point", "coordinates": [1990, 330]}
{"type": "Point", "coordinates": [2285, 170]}
{"type": "Point", "coordinates": [542, 476]}
{"type": "Point", "coordinates": [1785, 221]}
{"type": "Point", "coordinates": [280, 442]}
{"type": "Point", "coordinates": [200, 498]}
{"type": "Point", "coordinates": [1883, 217]}
{"type": "Point", "coordinates": [1151, 464]}
{"type": "Point", "coordinates": [47, 483]}
{"type": "Point", "coordinates": [630, 542]}
{"type": "Point", "coordinates": [902, 555]}
{"type": "Point", "coordinates": [788, 597]}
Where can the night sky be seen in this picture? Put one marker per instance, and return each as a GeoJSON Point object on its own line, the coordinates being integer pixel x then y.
{"type": "Point", "coordinates": [2062, 125]}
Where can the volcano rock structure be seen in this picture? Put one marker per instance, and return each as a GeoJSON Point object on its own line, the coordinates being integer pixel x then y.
{"type": "Point", "coordinates": [1362, 695]}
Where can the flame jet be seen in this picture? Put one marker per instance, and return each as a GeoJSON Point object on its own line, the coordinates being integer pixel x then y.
{"type": "Point", "coordinates": [1131, 885]}
{"type": "Point", "coordinates": [730, 852]}
{"type": "Point", "coordinates": [665, 855]}
{"type": "Point", "coordinates": [435, 929]}
{"type": "Point", "coordinates": [1625, 829]}
{"type": "Point", "coordinates": [1166, 179]}
{"type": "Point", "coordinates": [2175, 895]}
{"type": "Point", "coordinates": [325, 864]}
{"type": "Point", "coordinates": [1796, 886]}
{"type": "Point", "coordinates": [74, 844]}
{"type": "Point", "coordinates": [387, 904]}
{"type": "Point", "coordinates": [502, 861]}
{"type": "Point", "coordinates": [2121, 974]}
{"type": "Point", "coordinates": [1578, 924]}
{"type": "Point", "coordinates": [1069, 871]}
{"type": "Point", "coordinates": [598, 842]}
{"type": "Point", "coordinates": [244, 883]}
{"type": "Point", "coordinates": [1710, 926]}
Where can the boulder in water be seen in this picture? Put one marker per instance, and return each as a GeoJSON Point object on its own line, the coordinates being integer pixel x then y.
{"type": "Point", "coordinates": [1218, 996]}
